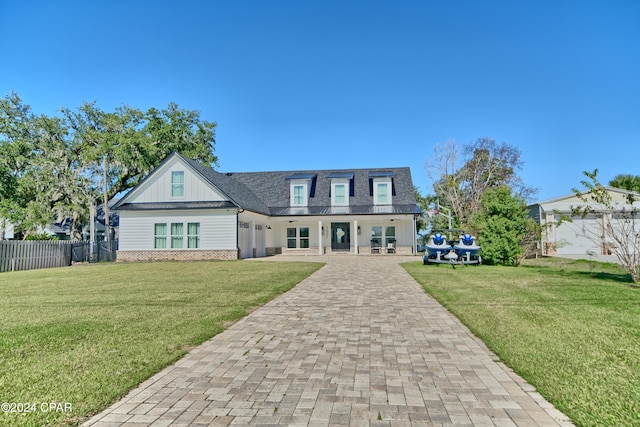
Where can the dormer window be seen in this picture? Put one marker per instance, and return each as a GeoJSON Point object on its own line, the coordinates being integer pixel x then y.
{"type": "Point", "coordinates": [340, 188]}
{"type": "Point", "coordinates": [301, 188]}
{"type": "Point", "coordinates": [382, 187]}
{"type": "Point", "coordinates": [299, 195]}
{"type": "Point", "coordinates": [177, 184]}
{"type": "Point", "coordinates": [339, 195]}
{"type": "Point", "coordinates": [382, 193]}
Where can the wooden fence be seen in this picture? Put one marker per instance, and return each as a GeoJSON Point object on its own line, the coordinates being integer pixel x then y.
{"type": "Point", "coordinates": [32, 254]}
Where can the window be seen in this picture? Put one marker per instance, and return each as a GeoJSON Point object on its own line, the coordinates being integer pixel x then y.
{"type": "Point", "coordinates": [341, 187]}
{"type": "Point", "coordinates": [160, 236]}
{"type": "Point", "coordinates": [298, 238]}
{"type": "Point", "coordinates": [193, 235]}
{"type": "Point", "coordinates": [339, 194]}
{"type": "Point", "coordinates": [301, 188]}
{"type": "Point", "coordinates": [177, 184]}
{"type": "Point", "coordinates": [389, 235]}
{"type": "Point", "coordinates": [298, 195]}
{"type": "Point", "coordinates": [383, 193]}
{"type": "Point", "coordinates": [176, 235]}
{"type": "Point", "coordinates": [291, 238]}
{"type": "Point", "coordinates": [376, 235]}
{"type": "Point", "coordinates": [383, 239]}
{"type": "Point", "coordinates": [304, 237]}
{"type": "Point", "coordinates": [381, 190]}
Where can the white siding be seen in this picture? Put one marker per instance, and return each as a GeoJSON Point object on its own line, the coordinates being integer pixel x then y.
{"type": "Point", "coordinates": [158, 187]}
{"type": "Point", "coordinates": [251, 238]}
{"type": "Point", "coordinates": [217, 228]}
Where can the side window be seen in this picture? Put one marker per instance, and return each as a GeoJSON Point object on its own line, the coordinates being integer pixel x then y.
{"type": "Point", "coordinates": [193, 235]}
{"type": "Point", "coordinates": [176, 235]}
{"type": "Point", "coordinates": [160, 236]}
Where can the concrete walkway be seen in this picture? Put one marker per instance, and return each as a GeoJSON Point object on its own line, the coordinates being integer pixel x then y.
{"type": "Point", "coordinates": [358, 343]}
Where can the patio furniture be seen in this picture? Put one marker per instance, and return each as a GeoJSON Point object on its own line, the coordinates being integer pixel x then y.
{"type": "Point", "coordinates": [391, 247]}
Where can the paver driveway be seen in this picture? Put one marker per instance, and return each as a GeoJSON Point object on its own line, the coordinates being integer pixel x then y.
{"type": "Point", "coordinates": [358, 343]}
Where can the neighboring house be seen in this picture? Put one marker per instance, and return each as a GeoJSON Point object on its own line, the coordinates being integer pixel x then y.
{"type": "Point", "coordinates": [186, 210]}
{"type": "Point", "coordinates": [7, 230]}
{"type": "Point", "coordinates": [579, 236]}
{"type": "Point", "coordinates": [114, 222]}
{"type": "Point", "coordinates": [62, 229]}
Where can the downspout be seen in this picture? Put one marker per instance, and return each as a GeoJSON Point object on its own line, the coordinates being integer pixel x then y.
{"type": "Point", "coordinates": [238, 212]}
{"type": "Point", "coordinates": [415, 232]}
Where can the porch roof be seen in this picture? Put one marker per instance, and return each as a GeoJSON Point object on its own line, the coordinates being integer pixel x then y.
{"type": "Point", "coordinates": [345, 210]}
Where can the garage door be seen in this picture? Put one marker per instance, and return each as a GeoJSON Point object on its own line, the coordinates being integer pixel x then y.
{"type": "Point", "coordinates": [244, 239]}
{"type": "Point", "coordinates": [260, 241]}
{"type": "Point", "coordinates": [578, 237]}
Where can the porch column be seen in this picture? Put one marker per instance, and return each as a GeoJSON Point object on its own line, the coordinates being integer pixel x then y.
{"type": "Point", "coordinates": [320, 237]}
{"type": "Point", "coordinates": [414, 249]}
{"type": "Point", "coordinates": [355, 233]}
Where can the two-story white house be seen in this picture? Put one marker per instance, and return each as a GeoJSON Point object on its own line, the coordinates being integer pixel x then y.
{"type": "Point", "coordinates": [185, 210]}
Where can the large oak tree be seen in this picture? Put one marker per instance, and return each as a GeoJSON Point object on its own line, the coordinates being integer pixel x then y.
{"type": "Point", "coordinates": [56, 167]}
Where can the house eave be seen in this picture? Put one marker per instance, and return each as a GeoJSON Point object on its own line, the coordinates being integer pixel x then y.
{"type": "Point", "coordinates": [176, 206]}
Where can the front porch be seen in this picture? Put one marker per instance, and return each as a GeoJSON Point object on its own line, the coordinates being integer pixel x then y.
{"type": "Point", "coordinates": [375, 235]}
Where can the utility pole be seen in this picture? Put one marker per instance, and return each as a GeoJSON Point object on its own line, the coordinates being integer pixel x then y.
{"type": "Point", "coordinates": [92, 228]}
{"type": "Point", "coordinates": [107, 234]}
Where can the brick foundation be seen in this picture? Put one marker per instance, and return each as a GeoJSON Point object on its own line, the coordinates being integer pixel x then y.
{"type": "Point", "coordinates": [400, 250]}
{"type": "Point", "coordinates": [194, 255]}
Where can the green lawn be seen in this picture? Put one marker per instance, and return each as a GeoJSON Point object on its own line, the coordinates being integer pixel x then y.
{"type": "Point", "coordinates": [570, 328]}
{"type": "Point", "coordinates": [83, 336]}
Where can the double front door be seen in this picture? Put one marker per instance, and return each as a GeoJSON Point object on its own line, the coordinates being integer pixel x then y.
{"type": "Point", "coordinates": [340, 236]}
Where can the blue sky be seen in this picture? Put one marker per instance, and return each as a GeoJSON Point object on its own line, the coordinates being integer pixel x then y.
{"type": "Point", "coordinates": [351, 84]}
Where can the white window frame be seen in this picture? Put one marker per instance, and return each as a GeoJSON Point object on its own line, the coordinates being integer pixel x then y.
{"type": "Point", "coordinates": [159, 240]}
{"type": "Point", "coordinates": [177, 187]}
{"type": "Point", "coordinates": [298, 238]}
{"type": "Point", "coordinates": [177, 239]}
{"type": "Point", "coordinates": [384, 237]}
{"type": "Point", "coordinates": [339, 183]}
{"type": "Point", "coordinates": [193, 238]}
{"type": "Point", "coordinates": [304, 185]}
{"type": "Point", "coordinates": [171, 240]}
{"type": "Point", "coordinates": [377, 183]}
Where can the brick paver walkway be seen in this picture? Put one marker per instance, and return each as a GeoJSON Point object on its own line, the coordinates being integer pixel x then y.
{"type": "Point", "coordinates": [356, 344]}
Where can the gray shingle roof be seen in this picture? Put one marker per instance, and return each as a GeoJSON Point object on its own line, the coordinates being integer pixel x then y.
{"type": "Point", "coordinates": [237, 191]}
{"type": "Point", "coordinates": [269, 192]}
{"type": "Point", "coordinates": [273, 188]}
